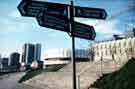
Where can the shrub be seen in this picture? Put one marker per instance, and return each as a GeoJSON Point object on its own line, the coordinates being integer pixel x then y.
{"type": "Point", "coordinates": [124, 78]}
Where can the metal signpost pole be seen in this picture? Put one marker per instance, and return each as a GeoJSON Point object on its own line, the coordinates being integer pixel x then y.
{"type": "Point", "coordinates": [73, 43]}
{"type": "Point", "coordinates": [60, 12]}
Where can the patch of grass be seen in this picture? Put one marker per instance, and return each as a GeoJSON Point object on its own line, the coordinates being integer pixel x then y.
{"type": "Point", "coordinates": [32, 73]}
{"type": "Point", "coordinates": [121, 79]}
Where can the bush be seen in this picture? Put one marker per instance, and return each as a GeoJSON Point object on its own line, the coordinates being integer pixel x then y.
{"type": "Point", "coordinates": [32, 73]}
{"type": "Point", "coordinates": [121, 79]}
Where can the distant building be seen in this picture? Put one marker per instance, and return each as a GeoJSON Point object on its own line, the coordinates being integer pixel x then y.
{"type": "Point", "coordinates": [0, 56]}
{"type": "Point", "coordinates": [14, 60]}
{"type": "Point", "coordinates": [60, 56]}
{"type": "Point", "coordinates": [23, 59]}
{"type": "Point", "coordinates": [30, 53]}
{"type": "Point", "coordinates": [130, 32]}
{"type": "Point", "coordinates": [37, 52]}
{"type": "Point", "coordinates": [4, 64]}
{"type": "Point", "coordinates": [0, 62]}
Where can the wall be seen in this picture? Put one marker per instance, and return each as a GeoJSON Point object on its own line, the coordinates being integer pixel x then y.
{"type": "Point", "coordinates": [119, 49]}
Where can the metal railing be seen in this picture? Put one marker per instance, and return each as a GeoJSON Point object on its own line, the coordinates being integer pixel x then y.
{"type": "Point", "coordinates": [99, 71]}
{"type": "Point", "coordinates": [82, 72]}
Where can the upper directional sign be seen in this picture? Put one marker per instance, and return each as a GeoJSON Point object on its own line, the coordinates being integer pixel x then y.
{"type": "Point", "coordinates": [85, 12]}
{"type": "Point", "coordinates": [84, 31]}
{"type": "Point", "coordinates": [33, 8]}
{"type": "Point", "coordinates": [54, 22]}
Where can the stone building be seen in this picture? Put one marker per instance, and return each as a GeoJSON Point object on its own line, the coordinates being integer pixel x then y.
{"type": "Point", "coordinates": [118, 50]}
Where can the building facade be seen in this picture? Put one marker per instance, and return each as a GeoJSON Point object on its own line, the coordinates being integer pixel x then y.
{"type": "Point", "coordinates": [37, 54]}
{"type": "Point", "coordinates": [0, 56]}
{"type": "Point", "coordinates": [119, 50]}
{"type": "Point", "coordinates": [30, 53]}
{"type": "Point", "coordinates": [0, 62]}
{"type": "Point", "coordinates": [14, 60]}
{"type": "Point", "coordinates": [64, 54]}
{"type": "Point", "coordinates": [4, 65]}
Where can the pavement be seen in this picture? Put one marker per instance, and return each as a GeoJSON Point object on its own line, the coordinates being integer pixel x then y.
{"type": "Point", "coordinates": [10, 81]}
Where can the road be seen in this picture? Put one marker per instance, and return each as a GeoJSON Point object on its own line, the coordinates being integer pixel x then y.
{"type": "Point", "coordinates": [10, 81]}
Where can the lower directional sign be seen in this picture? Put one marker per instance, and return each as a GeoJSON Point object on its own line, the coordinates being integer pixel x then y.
{"type": "Point", "coordinates": [61, 23]}
{"type": "Point", "coordinates": [53, 21]}
{"type": "Point", "coordinates": [84, 31]}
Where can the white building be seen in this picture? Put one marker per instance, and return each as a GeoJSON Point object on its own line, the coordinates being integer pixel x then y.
{"type": "Point", "coordinates": [37, 50]}
{"type": "Point", "coordinates": [59, 55]}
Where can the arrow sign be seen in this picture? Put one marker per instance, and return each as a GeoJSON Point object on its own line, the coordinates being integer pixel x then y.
{"type": "Point", "coordinates": [33, 8]}
{"type": "Point", "coordinates": [54, 22]}
{"type": "Point", "coordinates": [85, 12]}
{"type": "Point", "coordinates": [30, 8]}
{"type": "Point", "coordinates": [22, 7]}
{"type": "Point", "coordinates": [84, 31]}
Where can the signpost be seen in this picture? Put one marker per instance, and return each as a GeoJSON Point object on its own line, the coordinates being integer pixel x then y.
{"type": "Point", "coordinates": [73, 44]}
{"type": "Point", "coordinates": [86, 12]}
{"type": "Point", "coordinates": [56, 16]}
{"type": "Point", "coordinates": [61, 23]}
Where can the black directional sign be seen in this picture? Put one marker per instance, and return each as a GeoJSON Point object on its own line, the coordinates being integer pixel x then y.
{"type": "Point", "coordinates": [55, 16]}
{"type": "Point", "coordinates": [54, 22]}
{"type": "Point", "coordinates": [33, 8]}
{"type": "Point", "coordinates": [86, 12]}
{"type": "Point", "coordinates": [84, 31]}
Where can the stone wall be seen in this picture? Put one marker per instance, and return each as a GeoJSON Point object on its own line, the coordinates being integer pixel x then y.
{"type": "Point", "coordinates": [118, 50]}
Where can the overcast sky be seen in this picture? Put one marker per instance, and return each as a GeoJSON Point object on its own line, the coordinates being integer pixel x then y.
{"type": "Point", "coordinates": [15, 30]}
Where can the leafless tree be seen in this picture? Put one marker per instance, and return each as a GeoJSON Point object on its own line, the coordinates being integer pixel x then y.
{"type": "Point", "coordinates": [113, 53]}
{"type": "Point", "coordinates": [91, 53]}
{"type": "Point", "coordinates": [101, 59]}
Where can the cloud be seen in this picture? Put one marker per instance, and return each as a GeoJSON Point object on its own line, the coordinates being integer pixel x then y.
{"type": "Point", "coordinates": [104, 27]}
{"type": "Point", "coordinates": [108, 27]}
{"type": "Point", "coordinates": [91, 22]}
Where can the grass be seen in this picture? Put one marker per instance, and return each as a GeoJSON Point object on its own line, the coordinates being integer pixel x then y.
{"type": "Point", "coordinates": [121, 79]}
{"type": "Point", "coordinates": [32, 73]}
